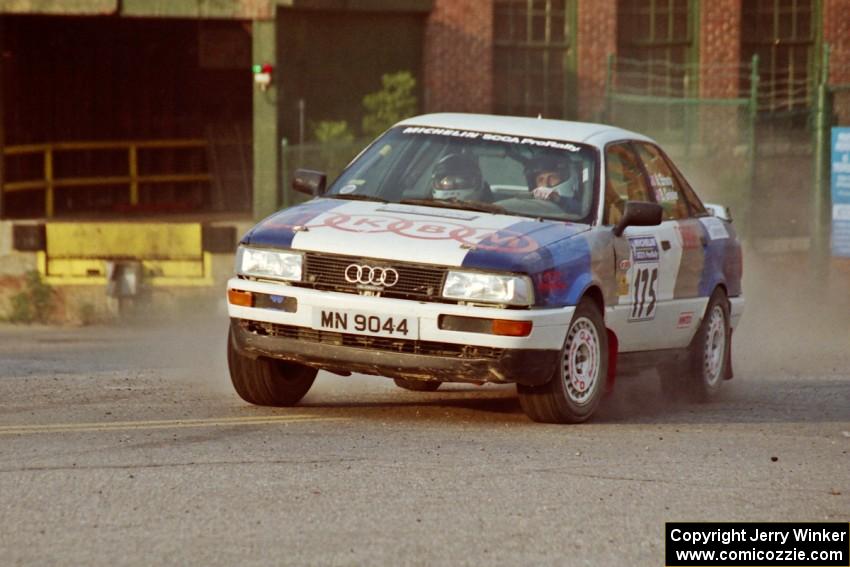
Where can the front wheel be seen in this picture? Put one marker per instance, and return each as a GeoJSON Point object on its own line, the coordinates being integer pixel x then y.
{"type": "Point", "coordinates": [575, 389]}
{"type": "Point", "coordinates": [268, 381]}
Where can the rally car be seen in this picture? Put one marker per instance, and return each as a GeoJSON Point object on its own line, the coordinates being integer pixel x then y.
{"type": "Point", "coordinates": [474, 248]}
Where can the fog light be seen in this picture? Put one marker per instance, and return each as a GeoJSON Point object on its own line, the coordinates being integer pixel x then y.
{"type": "Point", "coordinates": [511, 328]}
{"type": "Point", "coordinates": [241, 298]}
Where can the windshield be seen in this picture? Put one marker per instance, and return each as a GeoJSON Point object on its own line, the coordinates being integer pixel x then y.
{"type": "Point", "coordinates": [475, 170]}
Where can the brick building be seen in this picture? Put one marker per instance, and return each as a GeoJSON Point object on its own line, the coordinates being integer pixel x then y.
{"type": "Point", "coordinates": [117, 109]}
{"type": "Point", "coordinates": [106, 70]}
{"type": "Point", "coordinates": [551, 56]}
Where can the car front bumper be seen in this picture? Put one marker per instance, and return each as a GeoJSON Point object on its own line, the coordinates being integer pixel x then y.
{"type": "Point", "coordinates": [437, 353]}
{"type": "Point", "coordinates": [525, 366]}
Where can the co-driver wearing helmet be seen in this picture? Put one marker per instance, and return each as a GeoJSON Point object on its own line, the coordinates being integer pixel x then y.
{"type": "Point", "coordinates": [458, 176]}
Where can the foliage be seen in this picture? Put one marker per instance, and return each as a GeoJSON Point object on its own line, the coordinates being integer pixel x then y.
{"type": "Point", "coordinates": [329, 131]}
{"type": "Point", "coordinates": [395, 101]}
{"type": "Point", "coordinates": [35, 303]}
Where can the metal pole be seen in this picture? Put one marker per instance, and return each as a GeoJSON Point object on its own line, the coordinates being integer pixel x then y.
{"type": "Point", "coordinates": [609, 74]}
{"type": "Point", "coordinates": [752, 116]}
{"type": "Point", "coordinates": [301, 108]}
{"type": "Point", "coordinates": [284, 167]}
{"type": "Point", "coordinates": [2, 118]}
{"type": "Point", "coordinates": [820, 197]}
{"type": "Point", "coordinates": [48, 182]}
{"type": "Point", "coordinates": [134, 175]}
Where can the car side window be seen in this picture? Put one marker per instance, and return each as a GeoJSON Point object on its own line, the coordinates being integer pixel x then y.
{"type": "Point", "coordinates": [664, 182]}
{"type": "Point", "coordinates": [624, 181]}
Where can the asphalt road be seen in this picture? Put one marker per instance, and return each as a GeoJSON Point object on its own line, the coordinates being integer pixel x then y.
{"type": "Point", "coordinates": [126, 446]}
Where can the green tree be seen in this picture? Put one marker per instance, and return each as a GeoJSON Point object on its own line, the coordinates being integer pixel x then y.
{"type": "Point", "coordinates": [395, 101]}
{"type": "Point", "coordinates": [328, 131]}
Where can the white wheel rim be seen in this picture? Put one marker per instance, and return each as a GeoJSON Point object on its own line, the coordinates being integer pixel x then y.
{"type": "Point", "coordinates": [715, 346]}
{"type": "Point", "coordinates": [580, 368]}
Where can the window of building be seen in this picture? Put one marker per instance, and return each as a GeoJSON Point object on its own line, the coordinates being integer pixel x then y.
{"type": "Point", "coordinates": [657, 32]}
{"type": "Point", "coordinates": [782, 34]}
{"type": "Point", "coordinates": [533, 58]}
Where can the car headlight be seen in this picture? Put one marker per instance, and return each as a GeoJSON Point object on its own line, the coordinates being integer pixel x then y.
{"type": "Point", "coordinates": [272, 264]}
{"type": "Point", "coordinates": [490, 288]}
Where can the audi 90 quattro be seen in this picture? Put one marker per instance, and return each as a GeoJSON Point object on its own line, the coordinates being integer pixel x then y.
{"type": "Point", "coordinates": [473, 248]}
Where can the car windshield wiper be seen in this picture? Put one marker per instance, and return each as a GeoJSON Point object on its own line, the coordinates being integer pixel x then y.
{"type": "Point", "coordinates": [356, 197]}
{"type": "Point", "coordinates": [456, 204]}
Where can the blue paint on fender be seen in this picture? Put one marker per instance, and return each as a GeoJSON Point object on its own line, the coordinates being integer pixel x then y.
{"type": "Point", "coordinates": [572, 270]}
{"type": "Point", "coordinates": [722, 264]}
{"type": "Point", "coordinates": [555, 254]}
{"type": "Point", "coordinates": [277, 230]}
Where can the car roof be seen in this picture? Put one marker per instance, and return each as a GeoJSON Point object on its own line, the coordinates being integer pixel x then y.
{"type": "Point", "coordinates": [585, 132]}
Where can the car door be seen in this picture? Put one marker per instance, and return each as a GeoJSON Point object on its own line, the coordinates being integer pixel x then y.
{"type": "Point", "coordinates": [647, 258]}
{"type": "Point", "coordinates": [687, 237]}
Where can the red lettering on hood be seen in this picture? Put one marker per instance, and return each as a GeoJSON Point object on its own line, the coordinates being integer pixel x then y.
{"type": "Point", "coordinates": [432, 228]}
{"type": "Point", "coordinates": [482, 238]}
{"type": "Point", "coordinates": [507, 241]}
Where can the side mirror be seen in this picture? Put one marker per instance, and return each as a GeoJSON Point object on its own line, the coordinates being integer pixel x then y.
{"type": "Point", "coordinates": [639, 213]}
{"type": "Point", "coordinates": [310, 182]}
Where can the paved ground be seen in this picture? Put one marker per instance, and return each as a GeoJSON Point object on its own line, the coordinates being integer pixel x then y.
{"type": "Point", "coordinates": [126, 446]}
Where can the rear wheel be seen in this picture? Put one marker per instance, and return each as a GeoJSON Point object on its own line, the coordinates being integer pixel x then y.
{"type": "Point", "coordinates": [699, 378]}
{"type": "Point", "coordinates": [575, 389]}
{"type": "Point", "coordinates": [267, 381]}
{"type": "Point", "coordinates": [417, 385]}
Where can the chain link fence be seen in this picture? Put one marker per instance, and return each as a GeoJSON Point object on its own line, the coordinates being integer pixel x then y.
{"type": "Point", "coordinates": [712, 139]}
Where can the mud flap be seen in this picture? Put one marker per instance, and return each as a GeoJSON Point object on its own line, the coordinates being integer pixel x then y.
{"type": "Point", "coordinates": [729, 374]}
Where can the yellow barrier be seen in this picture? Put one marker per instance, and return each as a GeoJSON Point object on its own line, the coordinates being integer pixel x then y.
{"type": "Point", "coordinates": [171, 254]}
{"type": "Point", "coordinates": [50, 182]}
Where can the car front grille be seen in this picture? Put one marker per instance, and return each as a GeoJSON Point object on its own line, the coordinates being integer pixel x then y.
{"type": "Point", "coordinates": [415, 281]}
{"type": "Point", "coordinates": [374, 343]}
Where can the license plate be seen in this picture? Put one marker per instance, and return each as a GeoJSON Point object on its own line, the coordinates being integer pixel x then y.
{"type": "Point", "coordinates": [364, 323]}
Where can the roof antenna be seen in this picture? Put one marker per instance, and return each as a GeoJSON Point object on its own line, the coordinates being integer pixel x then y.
{"type": "Point", "coordinates": [539, 116]}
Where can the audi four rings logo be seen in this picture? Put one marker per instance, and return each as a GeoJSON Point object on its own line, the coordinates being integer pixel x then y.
{"type": "Point", "coordinates": [371, 275]}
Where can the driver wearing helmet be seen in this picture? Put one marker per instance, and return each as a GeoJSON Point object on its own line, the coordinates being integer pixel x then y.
{"type": "Point", "coordinates": [551, 179]}
{"type": "Point", "coordinates": [457, 176]}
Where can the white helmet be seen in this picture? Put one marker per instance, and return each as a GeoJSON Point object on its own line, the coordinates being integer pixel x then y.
{"type": "Point", "coordinates": [551, 164]}
{"type": "Point", "coordinates": [457, 176]}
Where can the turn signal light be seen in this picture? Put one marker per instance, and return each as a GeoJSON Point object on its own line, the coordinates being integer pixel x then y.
{"type": "Point", "coordinates": [511, 328]}
{"type": "Point", "coordinates": [241, 298]}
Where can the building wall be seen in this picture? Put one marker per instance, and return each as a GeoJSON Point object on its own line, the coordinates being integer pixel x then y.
{"type": "Point", "coordinates": [719, 46]}
{"type": "Point", "coordinates": [597, 38]}
{"type": "Point", "coordinates": [836, 32]}
{"type": "Point", "coordinates": [458, 57]}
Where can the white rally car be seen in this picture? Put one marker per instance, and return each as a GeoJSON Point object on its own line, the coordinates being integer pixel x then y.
{"type": "Point", "coordinates": [471, 248]}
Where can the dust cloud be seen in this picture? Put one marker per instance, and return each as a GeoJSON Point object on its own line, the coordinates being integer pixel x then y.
{"type": "Point", "coordinates": [187, 341]}
{"type": "Point", "coordinates": [794, 322]}
{"type": "Point", "coordinates": [796, 319]}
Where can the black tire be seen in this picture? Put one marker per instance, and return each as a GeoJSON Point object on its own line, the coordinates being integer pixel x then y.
{"type": "Point", "coordinates": [575, 389]}
{"type": "Point", "coordinates": [700, 377]}
{"type": "Point", "coordinates": [267, 381]}
{"type": "Point", "coordinates": [417, 385]}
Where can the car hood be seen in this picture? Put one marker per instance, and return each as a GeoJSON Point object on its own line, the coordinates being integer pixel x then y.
{"type": "Point", "coordinates": [429, 235]}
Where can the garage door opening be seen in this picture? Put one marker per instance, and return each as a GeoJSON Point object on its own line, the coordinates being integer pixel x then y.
{"type": "Point", "coordinates": [110, 117]}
